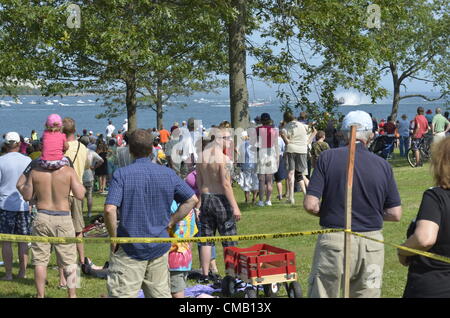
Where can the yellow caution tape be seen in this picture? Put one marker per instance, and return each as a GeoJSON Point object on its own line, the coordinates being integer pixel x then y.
{"type": "Point", "coordinates": [209, 239]}
{"type": "Point", "coordinates": [412, 250]}
{"type": "Point", "coordinates": [125, 240]}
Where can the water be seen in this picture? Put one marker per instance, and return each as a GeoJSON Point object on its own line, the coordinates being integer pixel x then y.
{"type": "Point", "coordinates": [30, 112]}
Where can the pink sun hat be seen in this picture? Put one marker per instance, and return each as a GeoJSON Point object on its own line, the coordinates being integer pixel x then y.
{"type": "Point", "coordinates": [53, 120]}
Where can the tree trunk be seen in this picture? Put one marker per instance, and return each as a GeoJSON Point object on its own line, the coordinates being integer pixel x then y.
{"type": "Point", "coordinates": [395, 102]}
{"type": "Point", "coordinates": [159, 105]}
{"type": "Point", "coordinates": [237, 63]}
{"type": "Point", "coordinates": [131, 103]}
{"type": "Point", "coordinates": [396, 96]}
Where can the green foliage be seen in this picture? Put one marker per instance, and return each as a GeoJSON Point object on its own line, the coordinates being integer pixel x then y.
{"type": "Point", "coordinates": [181, 44]}
{"type": "Point", "coordinates": [324, 45]}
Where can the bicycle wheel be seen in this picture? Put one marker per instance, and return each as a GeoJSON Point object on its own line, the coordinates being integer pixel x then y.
{"type": "Point", "coordinates": [424, 155]}
{"type": "Point", "coordinates": [411, 156]}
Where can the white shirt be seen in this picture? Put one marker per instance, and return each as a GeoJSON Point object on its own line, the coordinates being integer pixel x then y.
{"type": "Point", "coordinates": [125, 127]}
{"type": "Point", "coordinates": [11, 167]}
{"type": "Point", "coordinates": [298, 134]}
{"type": "Point", "coordinates": [109, 130]}
{"type": "Point", "coordinates": [92, 158]}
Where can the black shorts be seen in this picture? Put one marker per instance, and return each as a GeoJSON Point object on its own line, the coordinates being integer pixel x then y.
{"type": "Point", "coordinates": [415, 143]}
{"type": "Point", "coordinates": [216, 214]}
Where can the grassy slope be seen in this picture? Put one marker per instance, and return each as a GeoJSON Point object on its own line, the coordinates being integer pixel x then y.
{"type": "Point", "coordinates": [278, 218]}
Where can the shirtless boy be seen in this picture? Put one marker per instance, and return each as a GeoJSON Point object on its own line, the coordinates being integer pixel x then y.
{"type": "Point", "coordinates": [219, 210]}
{"type": "Point", "coordinates": [51, 190]}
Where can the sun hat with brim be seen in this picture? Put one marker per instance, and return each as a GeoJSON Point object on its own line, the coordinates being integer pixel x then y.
{"type": "Point", "coordinates": [54, 120]}
{"type": "Point", "coordinates": [12, 137]}
{"type": "Point", "coordinates": [265, 116]}
{"type": "Point", "coordinates": [359, 118]}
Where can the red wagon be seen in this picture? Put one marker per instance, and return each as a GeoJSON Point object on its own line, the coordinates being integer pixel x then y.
{"type": "Point", "coordinates": [261, 264]}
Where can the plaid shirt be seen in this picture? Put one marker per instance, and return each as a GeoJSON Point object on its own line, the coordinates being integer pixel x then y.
{"type": "Point", "coordinates": [144, 192]}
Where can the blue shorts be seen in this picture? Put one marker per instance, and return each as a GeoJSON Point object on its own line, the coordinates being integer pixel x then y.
{"type": "Point", "coordinates": [15, 222]}
{"type": "Point", "coordinates": [415, 143]}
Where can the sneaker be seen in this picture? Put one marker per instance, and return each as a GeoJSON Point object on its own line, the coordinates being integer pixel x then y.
{"type": "Point", "coordinates": [268, 203]}
{"type": "Point", "coordinates": [260, 203]}
{"type": "Point", "coordinates": [215, 279]}
{"type": "Point", "coordinates": [203, 280]}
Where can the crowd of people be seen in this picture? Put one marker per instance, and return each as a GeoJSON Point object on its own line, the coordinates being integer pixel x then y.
{"type": "Point", "coordinates": [409, 133]}
{"type": "Point", "coordinates": [179, 183]}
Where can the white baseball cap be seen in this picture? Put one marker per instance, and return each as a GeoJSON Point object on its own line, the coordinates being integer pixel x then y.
{"type": "Point", "coordinates": [12, 137]}
{"type": "Point", "coordinates": [360, 118]}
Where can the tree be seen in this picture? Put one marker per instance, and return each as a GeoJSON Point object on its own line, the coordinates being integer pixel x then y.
{"type": "Point", "coordinates": [237, 67]}
{"type": "Point", "coordinates": [120, 44]}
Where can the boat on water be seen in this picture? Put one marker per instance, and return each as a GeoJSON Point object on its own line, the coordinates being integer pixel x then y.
{"type": "Point", "coordinates": [5, 103]}
{"type": "Point", "coordinates": [80, 101]}
{"type": "Point", "coordinates": [340, 101]}
{"type": "Point", "coordinates": [48, 102]}
{"type": "Point", "coordinates": [257, 104]}
{"type": "Point", "coordinates": [33, 102]}
{"type": "Point", "coordinates": [202, 101]}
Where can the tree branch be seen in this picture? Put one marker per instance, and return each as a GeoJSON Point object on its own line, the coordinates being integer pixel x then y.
{"type": "Point", "coordinates": [415, 67]}
{"type": "Point", "coordinates": [422, 79]}
{"type": "Point", "coordinates": [423, 96]}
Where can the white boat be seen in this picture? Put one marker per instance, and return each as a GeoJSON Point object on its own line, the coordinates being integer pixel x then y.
{"type": "Point", "coordinates": [80, 101]}
{"type": "Point", "coordinates": [91, 101]}
{"type": "Point", "coordinates": [48, 102]}
{"type": "Point", "coordinates": [61, 104]}
{"type": "Point", "coordinates": [18, 101]}
{"type": "Point", "coordinates": [202, 101]}
{"type": "Point", "coordinates": [5, 103]}
{"type": "Point", "coordinates": [55, 100]}
{"type": "Point", "coordinates": [256, 104]}
{"type": "Point", "coordinates": [33, 102]}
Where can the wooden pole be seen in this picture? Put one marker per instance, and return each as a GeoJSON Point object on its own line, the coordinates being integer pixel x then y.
{"type": "Point", "coordinates": [348, 210]}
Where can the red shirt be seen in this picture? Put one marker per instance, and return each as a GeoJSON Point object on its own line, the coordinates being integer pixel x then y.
{"type": "Point", "coordinates": [268, 135]}
{"type": "Point", "coordinates": [389, 128]}
{"type": "Point", "coordinates": [119, 139]}
{"type": "Point", "coordinates": [421, 123]}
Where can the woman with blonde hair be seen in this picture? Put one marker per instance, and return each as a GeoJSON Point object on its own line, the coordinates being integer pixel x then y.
{"type": "Point", "coordinates": [431, 232]}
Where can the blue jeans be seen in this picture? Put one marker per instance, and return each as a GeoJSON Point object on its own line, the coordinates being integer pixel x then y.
{"type": "Point", "coordinates": [404, 145]}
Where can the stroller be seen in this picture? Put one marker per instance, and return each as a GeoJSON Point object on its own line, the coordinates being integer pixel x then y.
{"type": "Point", "coordinates": [382, 146]}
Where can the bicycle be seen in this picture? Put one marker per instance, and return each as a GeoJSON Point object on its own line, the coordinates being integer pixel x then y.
{"type": "Point", "coordinates": [425, 152]}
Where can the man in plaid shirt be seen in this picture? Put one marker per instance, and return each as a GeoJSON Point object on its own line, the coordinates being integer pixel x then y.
{"type": "Point", "coordinates": [143, 192]}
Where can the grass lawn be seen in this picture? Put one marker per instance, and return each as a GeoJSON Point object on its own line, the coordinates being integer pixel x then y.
{"type": "Point", "coordinates": [278, 218]}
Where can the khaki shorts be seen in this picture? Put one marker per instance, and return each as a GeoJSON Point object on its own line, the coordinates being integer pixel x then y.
{"type": "Point", "coordinates": [297, 161]}
{"type": "Point", "coordinates": [76, 207]}
{"type": "Point", "coordinates": [128, 275]}
{"type": "Point", "coordinates": [89, 187]}
{"type": "Point", "coordinates": [53, 226]}
{"type": "Point", "coordinates": [177, 282]}
{"type": "Point", "coordinates": [366, 269]}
